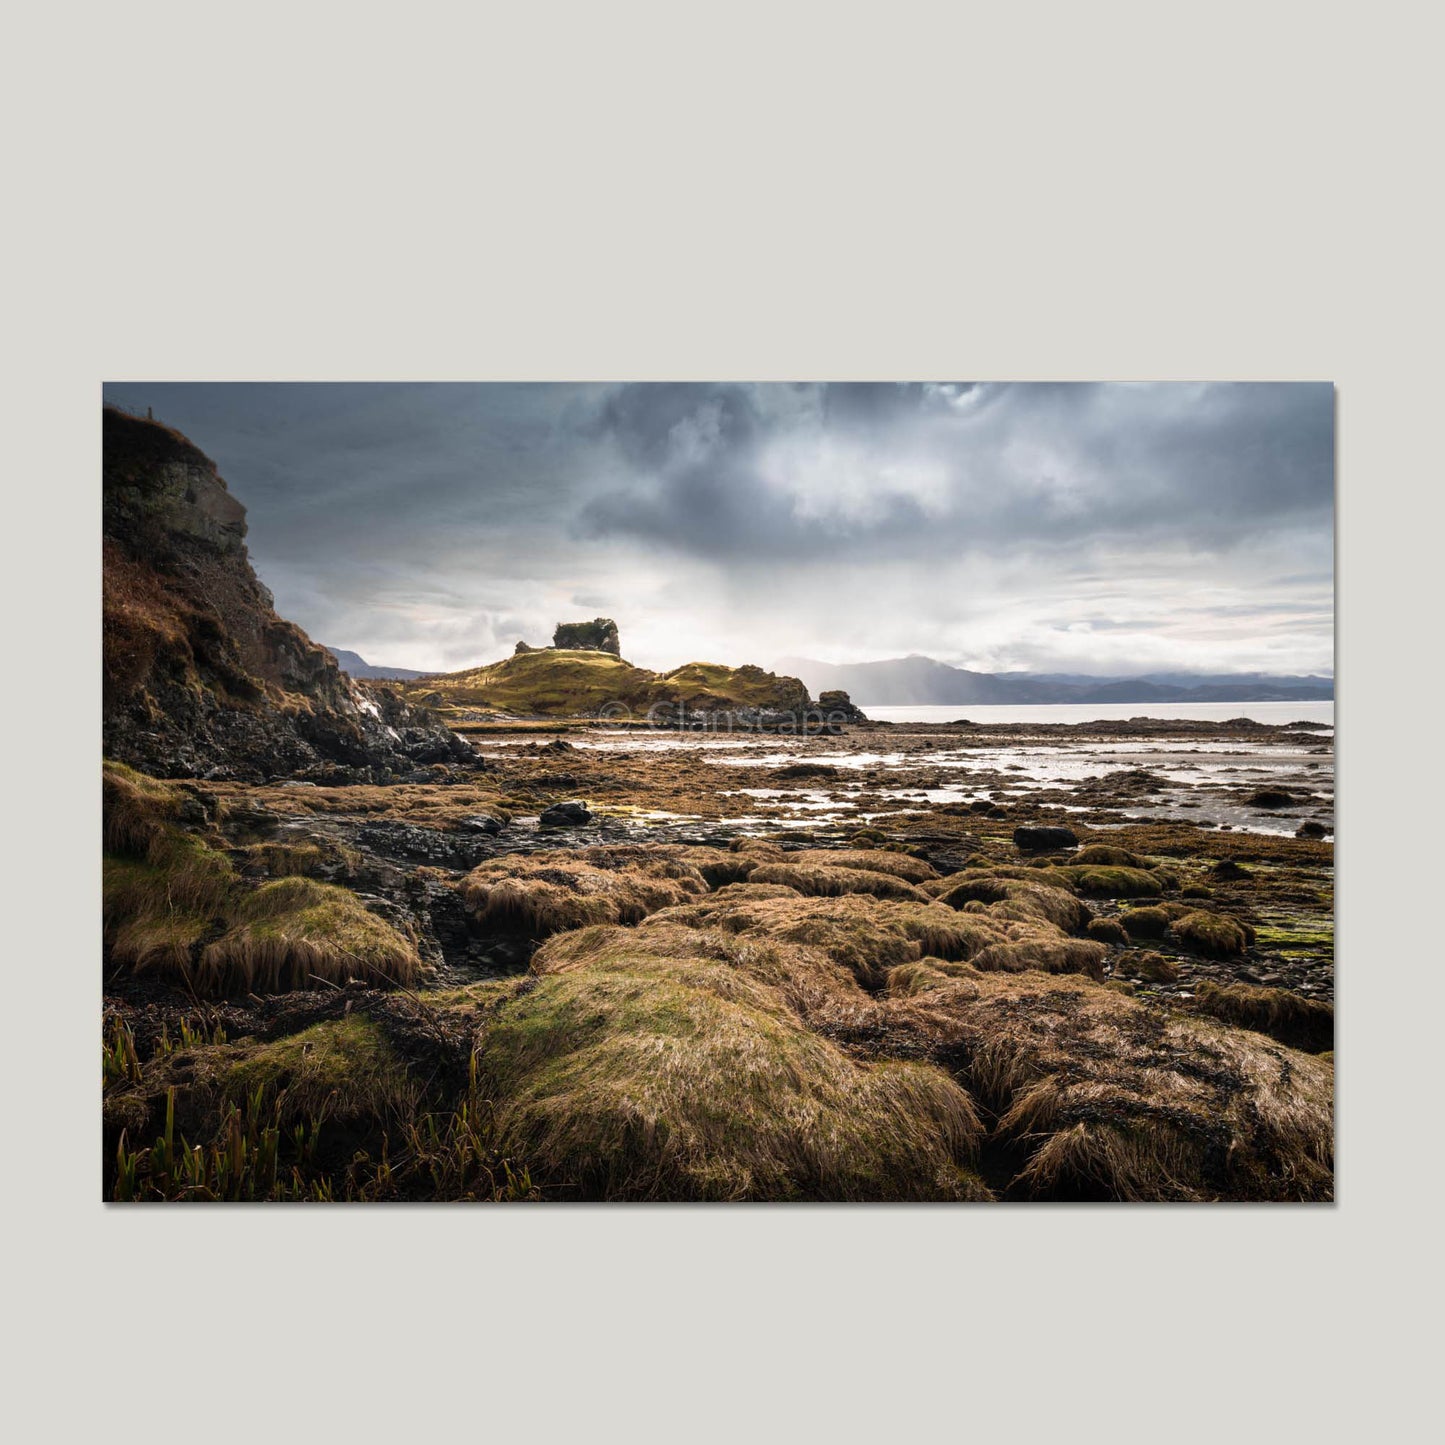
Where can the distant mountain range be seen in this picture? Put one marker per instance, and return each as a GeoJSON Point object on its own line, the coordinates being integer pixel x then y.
{"type": "Point", "coordinates": [357, 666]}
{"type": "Point", "coordinates": [901, 681]}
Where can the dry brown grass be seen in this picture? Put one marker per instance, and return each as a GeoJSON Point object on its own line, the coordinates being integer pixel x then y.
{"type": "Point", "coordinates": [665, 1063]}
{"type": "Point", "coordinates": [871, 860]}
{"type": "Point", "coordinates": [1293, 1019]}
{"type": "Point", "coordinates": [295, 933]}
{"type": "Point", "coordinates": [156, 910]}
{"type": "Point", "coordinates": [870, 937]}
{"type": "Point", "coordinates": [136, 810]}
{"type": "Point", "coordinates": [539, 894]}
{"type": "Point", "coordinates": [1031, 897]}
{"type": "Point", "coordinates": [1109, 1098]}
{"type": "Point", "coordinates": [824, 882]}
{"type": "Point", "coordinates": [1047, 954]}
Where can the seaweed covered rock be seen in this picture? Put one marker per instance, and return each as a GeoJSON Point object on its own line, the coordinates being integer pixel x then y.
{"type": "Point", "coordinates": [1212, 934]}
{"type": "Point", "coordinates": [1044, 840]}
{"type": "Point", "coordinates": [1109, 881]}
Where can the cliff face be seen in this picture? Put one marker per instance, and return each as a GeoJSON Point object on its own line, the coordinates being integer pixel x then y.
{"type": "Point", "coordinates": [201, 677]}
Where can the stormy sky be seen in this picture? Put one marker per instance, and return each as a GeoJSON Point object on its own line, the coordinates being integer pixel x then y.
{"type": "Point", "coordinates": [1090, 528]}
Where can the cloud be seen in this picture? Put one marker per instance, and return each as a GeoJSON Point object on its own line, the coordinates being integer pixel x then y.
{"type": "Point", "coordinates": [979, 522]}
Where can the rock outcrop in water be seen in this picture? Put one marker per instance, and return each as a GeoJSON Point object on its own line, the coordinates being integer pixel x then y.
{"type": "Point", "coordinates": [201, 677]}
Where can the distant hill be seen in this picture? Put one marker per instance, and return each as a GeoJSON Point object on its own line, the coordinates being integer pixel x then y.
{"type": "Point", "coordinates": [901, 681]}
{"type": "Point", "coordinates": [356, 665]}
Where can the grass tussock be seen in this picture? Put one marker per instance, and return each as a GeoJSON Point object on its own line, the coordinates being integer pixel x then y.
{"type": "Point", "coordinates": [1293, 1019]}
{"type": "Point", "coordinates": [871, 937]}
{"type": "Point", "coordinates": [871, 860]}
{"type": "Point", "coordinates": [540, 894]}
{"type": "Point", "coordinates": [1107, 881]}
{"type": "Point", "coordinates": [1032, 897]}
{"type": "Point", "coordinates": [137, 810]}
{"type": "Point", "coordinates": [1108, 1098]}
{"type": "Point", "coordinates": [1107, 855]}
{"type": "Point", "coordinates": [156, 910]}
{"type": "Point", "coordinates": [1212, 934]}
{"type": "Point", "coordinates": [1145, 922]}
{"type": "Point", "coordinates": [295, 933]}
{"type": "Point", "coordinates": [1147, 965]}
{"type": "Point", "coordinates": [863, 936]}
{"type": "Point", "coordinates": [1107, 930]}
{"type": "Point", "coordinates": [822, 881]}
{"type": "Point", "coordinates": [1056, 954]}
{"type": "Point", "coordinates": [331, 1112]}
{"type": "Point", "coordinates": [660, 1064]}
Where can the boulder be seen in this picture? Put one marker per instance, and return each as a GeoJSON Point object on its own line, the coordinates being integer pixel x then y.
{"type": "Point", "coordinates": [482, 823]}
{"type": "Point", "coordinates": [836, 706]}
{"type": "Point", "coordinates": [1042, 840]}
{"type": "Point", "coordinates": [1271, 798]}
{"type": "Point", "coordinates": [566, 815]}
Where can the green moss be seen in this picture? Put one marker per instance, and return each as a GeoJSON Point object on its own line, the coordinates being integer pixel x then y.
{"type": "Point", "coordinates": [1108, 881]}
{"type": "Point", "coordinates": [295, 932]}
{"type": "Point", "coordinates": [1107, 930]}
{"type": "Point", "coordinates": [344, 1068]}
{"type": "Point", "coordinates": [1106, 854]}
{"type": "Point", "coordinates": [1212, 934]}
{"type": "Point", "coordinates": [1145, 922]}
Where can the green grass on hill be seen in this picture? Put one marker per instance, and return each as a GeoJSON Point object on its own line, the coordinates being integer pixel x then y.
{"type": "Point", "coordinates": [561, 682]}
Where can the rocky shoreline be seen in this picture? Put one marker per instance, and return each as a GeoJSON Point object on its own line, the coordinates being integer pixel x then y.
{"type": "Point", "coordinates": [484, 936]}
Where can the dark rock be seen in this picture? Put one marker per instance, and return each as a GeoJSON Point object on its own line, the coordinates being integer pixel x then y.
{"type": "Point", "coordinates": [807, 770]}
{"type": "Point", "coordinates": [1271, 798]}
{"type": "Point", "coordinates": [1040, 839]}
{"type": "Point", "coordinates": [254, 821]}
{"type": "Point", "coordinates": [1228, 868]}
{"type": "Point", "coordinates": [1311, 830]}
{"type": "Point", "coordinates": [483, 823]}
{"type": "Point", "coordinates": [837, 706]}
{"type": "Point", "coordinates": [415, 844]}
{"type": "Point", "coordinates": [599, 635]}
{"type": "Point", "coordinates": [566, 815]}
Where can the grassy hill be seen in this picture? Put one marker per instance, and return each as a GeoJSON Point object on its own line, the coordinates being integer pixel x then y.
{"type": "Point", "coordinates": [562, 682]}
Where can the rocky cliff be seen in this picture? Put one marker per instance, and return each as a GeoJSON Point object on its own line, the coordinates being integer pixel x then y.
{"type": "Point", "coordinates": [201, 677]}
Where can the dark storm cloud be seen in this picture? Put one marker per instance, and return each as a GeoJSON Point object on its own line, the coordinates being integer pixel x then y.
{"type": "Point", "coordinates": [725, 471]}
{"type": "Point", "coordinates": [437, 523]}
